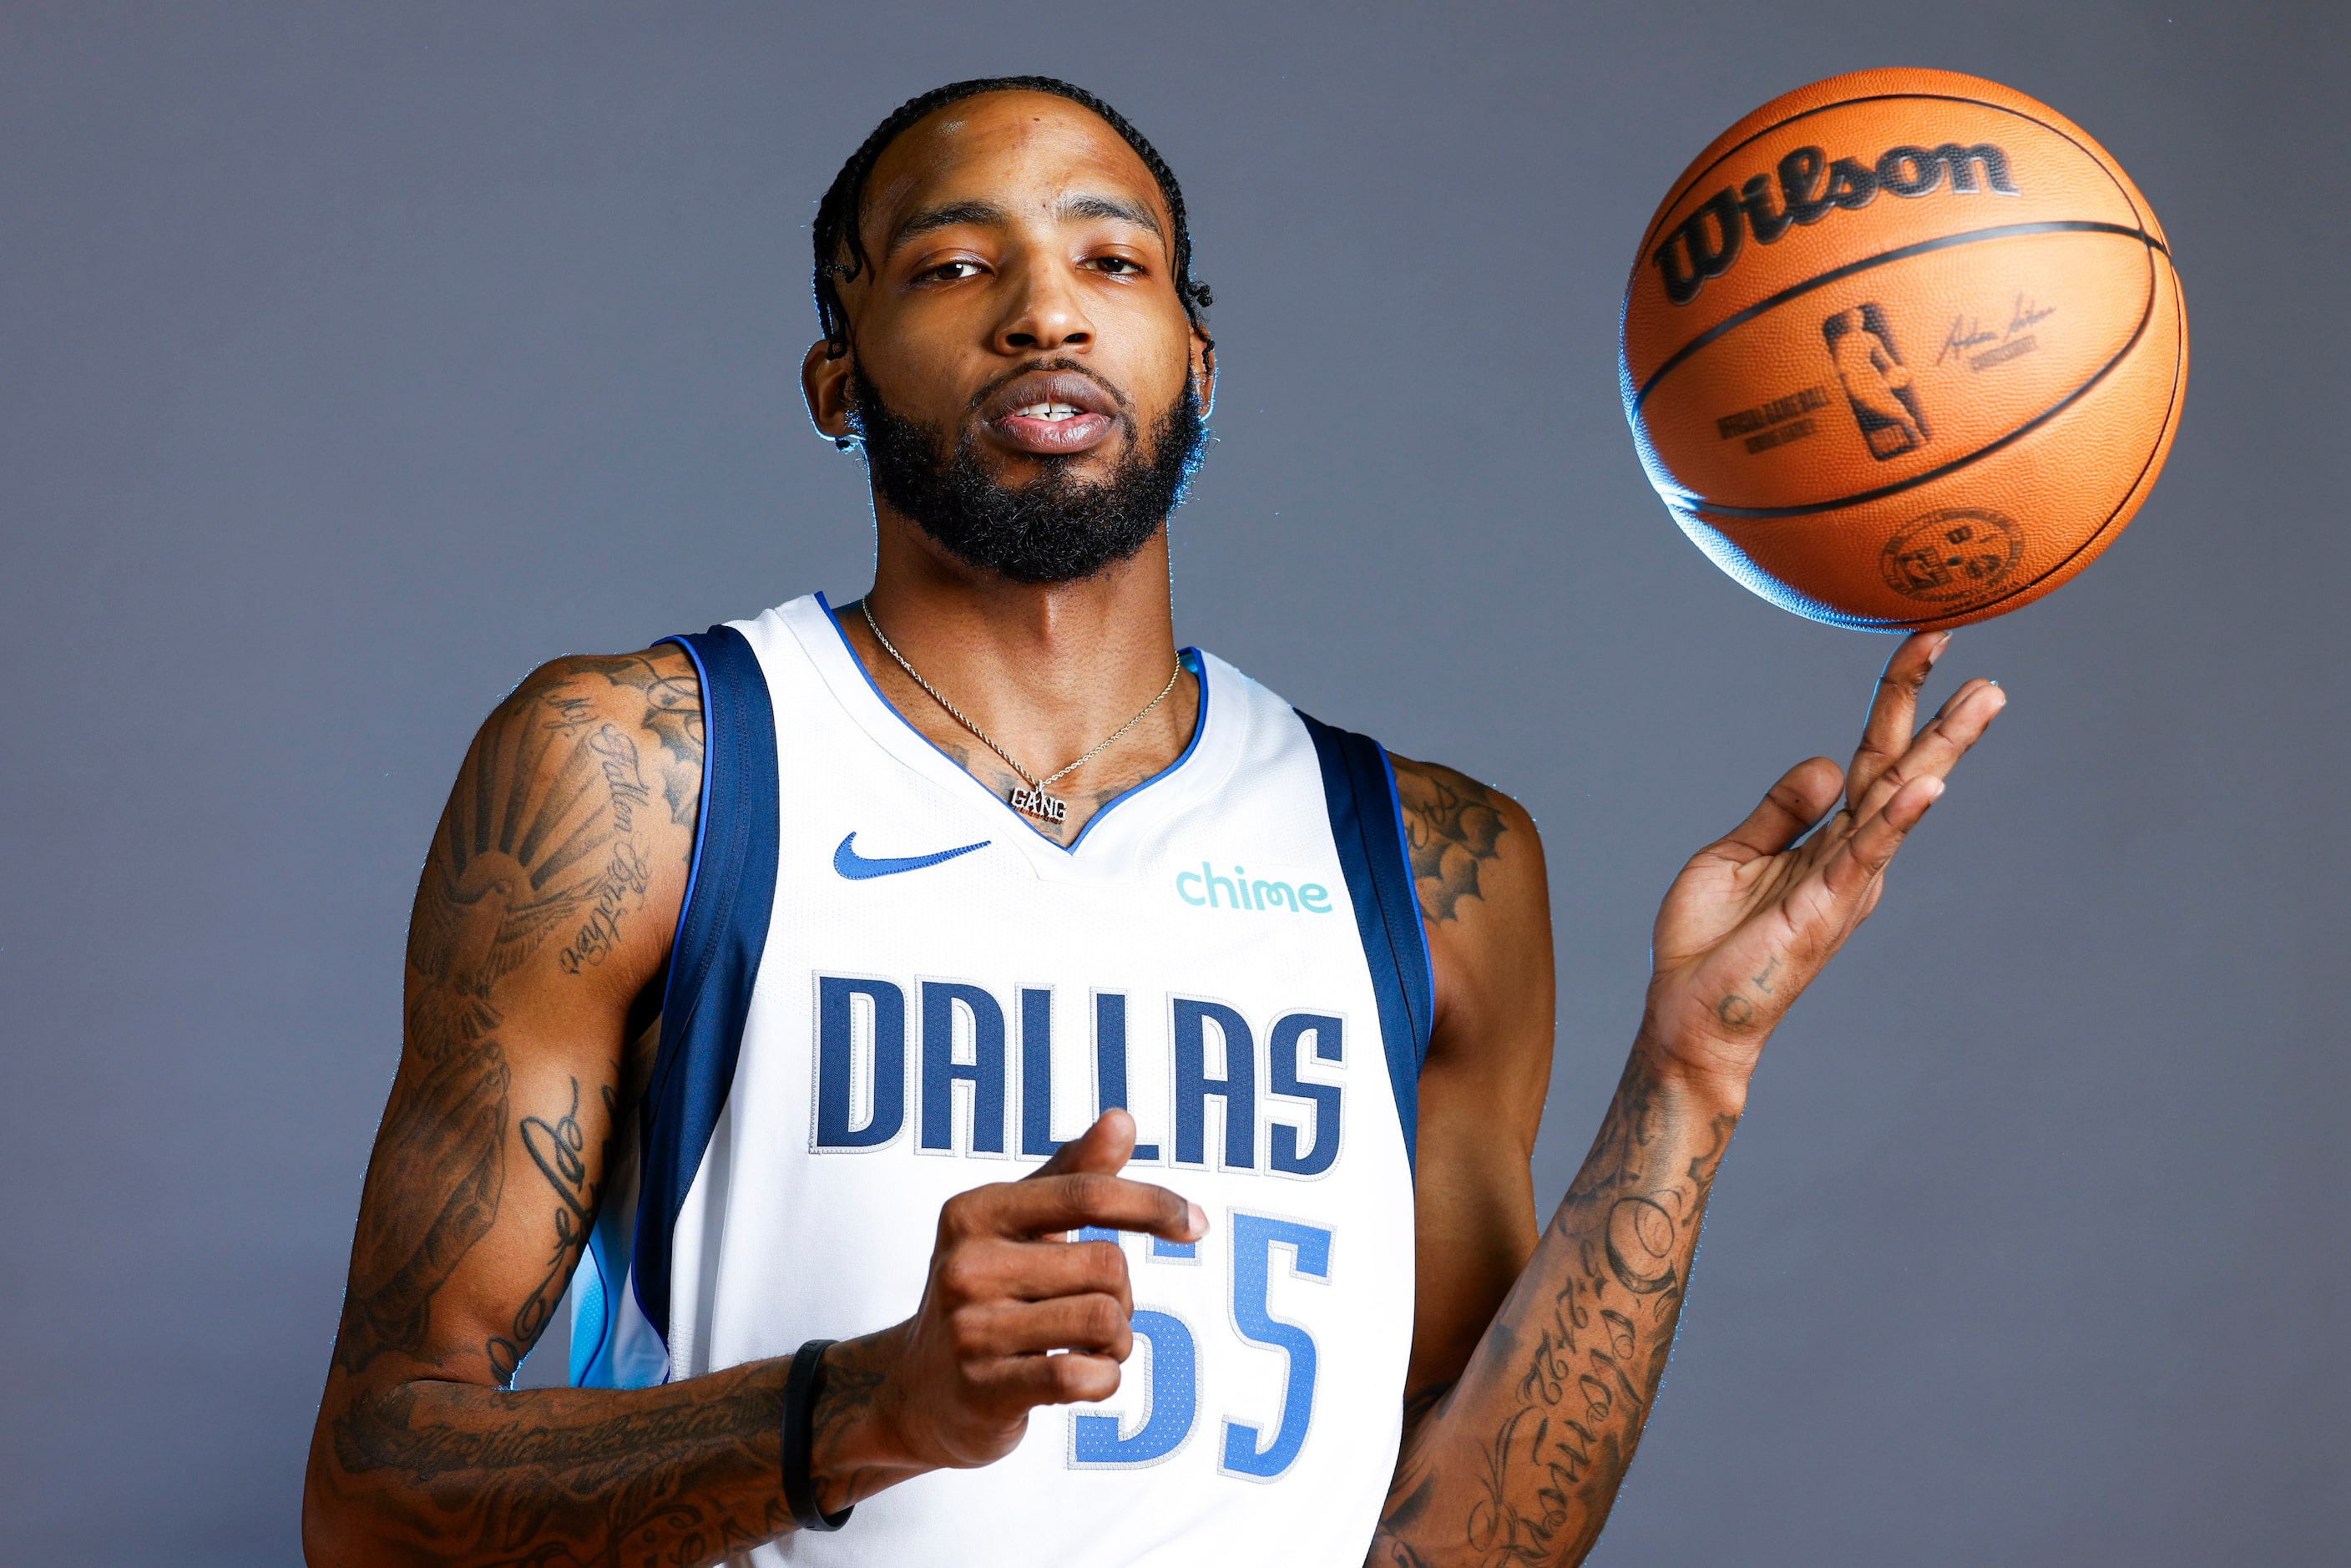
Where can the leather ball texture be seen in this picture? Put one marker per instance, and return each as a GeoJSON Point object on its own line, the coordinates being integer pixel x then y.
{"type": "Point", "coordinates": [1903, 348]}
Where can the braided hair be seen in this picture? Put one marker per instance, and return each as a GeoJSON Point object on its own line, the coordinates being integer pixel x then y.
{"type": "Point", "coordinates": [841, 248]}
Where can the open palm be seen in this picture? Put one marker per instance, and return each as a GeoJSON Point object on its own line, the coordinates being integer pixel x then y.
{"type": "Point", "coordinates": [1755, 914]}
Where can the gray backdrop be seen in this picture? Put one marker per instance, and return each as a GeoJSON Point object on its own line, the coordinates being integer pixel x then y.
{"type": "Point", "coordinates": [353, 360]}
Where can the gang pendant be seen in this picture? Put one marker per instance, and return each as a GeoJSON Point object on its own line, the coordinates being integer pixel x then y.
{"type": "Point", "coordinates": [1037, 803]}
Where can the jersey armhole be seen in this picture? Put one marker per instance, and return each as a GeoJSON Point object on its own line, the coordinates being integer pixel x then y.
{"type": "Point", "coordinates": [713, 965]}
{"type": "Point", "coordinates": [1368, 825]}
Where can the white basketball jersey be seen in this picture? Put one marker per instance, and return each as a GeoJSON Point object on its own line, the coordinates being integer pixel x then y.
{"type": "Point", "coordinates": [888, 989]}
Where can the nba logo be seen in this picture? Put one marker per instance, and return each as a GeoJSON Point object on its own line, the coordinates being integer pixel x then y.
{"type": "Point", "coordinates": [1876, 384]}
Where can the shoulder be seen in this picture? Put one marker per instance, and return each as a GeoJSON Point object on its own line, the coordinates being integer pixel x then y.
{"type": "Point", "coordinates": [1485, 902]}
{"type": "Point", "coordinates": [572, 817]}
{"type": "Point", "coordinates": [1470, 843]}
{"type": "Point", "coordinates": [643, 709]}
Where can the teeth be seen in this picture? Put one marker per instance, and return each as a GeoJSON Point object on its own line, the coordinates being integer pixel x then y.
{"type": "Point", "coordinates": [1047, 411]}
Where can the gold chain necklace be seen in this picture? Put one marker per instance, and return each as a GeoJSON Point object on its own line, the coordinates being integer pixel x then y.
{"type": "Point", "coordinates": [1032, 799]}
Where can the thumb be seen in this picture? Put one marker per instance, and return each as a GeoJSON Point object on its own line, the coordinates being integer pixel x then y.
{"type": "Point", "coordinates": [1102, 1149]}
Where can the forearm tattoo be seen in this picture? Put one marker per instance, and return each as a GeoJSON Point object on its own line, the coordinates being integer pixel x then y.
{"type": "Point", "coordinates": [683, 1474]}
{"type": "Point", "coordinates": [1518, 1462]}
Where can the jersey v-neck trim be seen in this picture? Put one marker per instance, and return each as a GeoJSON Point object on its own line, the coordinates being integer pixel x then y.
{"type": "Point", "coordinates": [1192, 659]}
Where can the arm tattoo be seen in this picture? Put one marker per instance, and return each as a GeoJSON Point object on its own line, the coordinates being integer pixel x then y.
{"type": "Point", "coordinates": [1420, 1402]}
{"type": "Point", "coordinates": [1453, 824]}
{"type": "Point", "coordinates": [539, 843]}
{"type": "Point", "coordinates": [556, 1148]}
{"type": "Point", "coordinates": [674, 1475]}
{"type": "Point", "coordinates": [672, 713]}
{"type": "Point", "coordinates": [1401, 1518]}
{"type": "Point", "coordinates": [542, 857]}
{"type": "Point", "coordinates": [853, 1375]}
{"type": "Point", "coordinates": [431, 1191]}
{"type": "Point", "coordinates": [1520, 1463]}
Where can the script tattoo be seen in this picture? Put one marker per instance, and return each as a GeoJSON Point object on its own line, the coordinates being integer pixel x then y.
{"type": "Point", "coordinates": [557, 1149]}
{"type": "Point", "coordinates": [673, 714]}
{"type": "Point", "coordinates": [1574, 1359]}
{"type": "Point", "coordinates": [1737, 1011]}
{"type": "Point", "coordinates": [1453, 824]}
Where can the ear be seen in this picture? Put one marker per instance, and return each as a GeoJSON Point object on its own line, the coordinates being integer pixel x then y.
{"type": "Point", "coordinates": [824, 382]}
{"type": "Point", "coordinates": [1204, 370]}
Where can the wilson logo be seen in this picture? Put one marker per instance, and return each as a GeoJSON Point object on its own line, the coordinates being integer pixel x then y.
{"type": "Point", "coordinates": [1809, 187]}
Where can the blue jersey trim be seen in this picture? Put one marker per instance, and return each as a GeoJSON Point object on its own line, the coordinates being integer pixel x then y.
{"type": "Point", "coordinates": [701, 830]}
{"type": "Point", "coordinates": [1189, 657]}
{"type": "Point", "coordinates": [1419, 927]}
{"type": "Point", "coordinates": [598, 1285]}
{"type": "Point", "coordinates": [714, 963]}
{"type": "Point", "coordinates": [1367, 826]}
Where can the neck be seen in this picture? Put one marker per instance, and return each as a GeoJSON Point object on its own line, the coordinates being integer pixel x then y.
{"type": "Point", "coordinates": [1047, 669]}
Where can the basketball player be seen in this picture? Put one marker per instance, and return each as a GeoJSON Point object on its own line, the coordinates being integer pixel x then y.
{"type": "Point", "coordinates": [1010, 1079]}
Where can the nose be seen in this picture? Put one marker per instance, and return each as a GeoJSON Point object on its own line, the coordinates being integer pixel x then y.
{"type": "Point", "coordinates": [1044, 312]}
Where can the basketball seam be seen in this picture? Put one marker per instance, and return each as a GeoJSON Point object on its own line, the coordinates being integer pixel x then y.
{"type": "Point", "coordinates": [1685, 189]}
{"type": "Point", "coordinates": [1900, 253]}
{"type": "Point", "coordinates": [2099, 157]}
{"type": "Point", "coordinates": [1771, 514]}
{"type": "Point", "coordinates": [2170, 417]}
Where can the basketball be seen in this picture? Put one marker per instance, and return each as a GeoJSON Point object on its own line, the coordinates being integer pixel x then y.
{"type": "Point", "coordinates": [1903, 349]}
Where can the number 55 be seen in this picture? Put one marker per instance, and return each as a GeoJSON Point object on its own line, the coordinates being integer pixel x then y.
{"type": "Point", "coordinates": [1171, 1382]}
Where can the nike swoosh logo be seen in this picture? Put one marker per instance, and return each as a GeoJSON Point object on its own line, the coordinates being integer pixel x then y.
{"type": "Point", "coordinates": [859, 868]}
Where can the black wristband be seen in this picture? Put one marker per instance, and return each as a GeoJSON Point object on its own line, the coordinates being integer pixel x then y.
{"type": "Point", "coordinates": [802, 1387]}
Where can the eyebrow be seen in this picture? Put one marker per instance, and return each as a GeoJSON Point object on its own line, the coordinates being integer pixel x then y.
{"type": "Point", "coordinates": [928, 220]}
{"type": "Point", "coordinates": [1111, 207]}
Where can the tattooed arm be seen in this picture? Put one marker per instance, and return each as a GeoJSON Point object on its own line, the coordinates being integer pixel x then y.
{"type": "Point", "coordinates": [537, 942]}
{"type": "Point", "coordinates": [1478, 867]}
{"type": "Point", "coordinates": [1520, 1424]}
{"type": "Point", "coordinates": [536, 949]}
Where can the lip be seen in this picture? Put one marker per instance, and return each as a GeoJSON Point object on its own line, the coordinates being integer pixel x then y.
{"type": "Point", "coordinates": [1097, 413]}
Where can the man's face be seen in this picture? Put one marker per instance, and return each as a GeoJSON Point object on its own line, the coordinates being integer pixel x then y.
{"type": "Point", "coordinates": [1019, 359]}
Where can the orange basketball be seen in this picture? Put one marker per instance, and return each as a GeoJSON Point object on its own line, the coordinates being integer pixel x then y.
{"type": "Point", "coordinates": [1903, 348]}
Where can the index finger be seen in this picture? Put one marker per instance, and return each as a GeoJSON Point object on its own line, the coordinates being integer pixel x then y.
{"type": "Point", "coordinates": [1045, 1206]}
{"type": "Point", "coordinates": [1938, 747]}
{"type": "Point", "coordinates": [1894, 711]}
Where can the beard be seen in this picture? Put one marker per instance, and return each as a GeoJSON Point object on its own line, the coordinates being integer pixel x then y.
{"type": "Point", "coordinates": [1056, 527]}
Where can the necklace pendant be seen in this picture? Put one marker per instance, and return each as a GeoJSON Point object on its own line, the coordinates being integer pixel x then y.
{"type": "Point", "coordinates": [1037, 803]}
